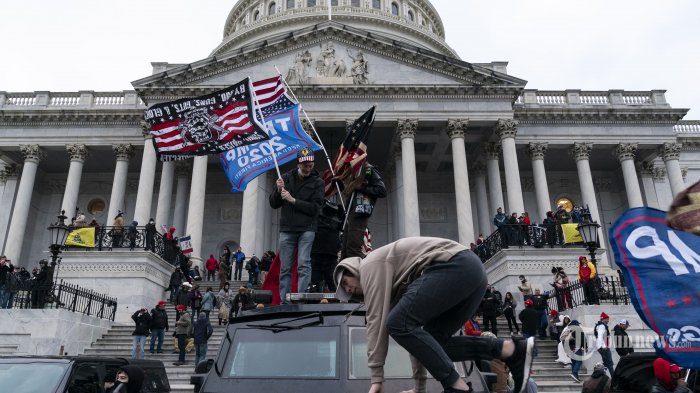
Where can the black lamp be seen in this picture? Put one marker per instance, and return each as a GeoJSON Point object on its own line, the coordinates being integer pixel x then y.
{"type": "Point", "coordinates": [58, 231]}
{"type": "Point", "coordinates": [588, 229]}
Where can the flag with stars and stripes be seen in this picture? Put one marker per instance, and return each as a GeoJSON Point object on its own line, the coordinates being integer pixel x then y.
{"type": "Point", "coordinates": [272, 97]}
{"type": "Point", "coordinates": [351, 156]}
{"type": "Point", "coordinates": [661, 266]}
{"type": "Point", "coordinates": [208, 124]}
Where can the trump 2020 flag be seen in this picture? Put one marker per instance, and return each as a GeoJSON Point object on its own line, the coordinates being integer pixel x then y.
{"type": "Point", "coordinates": [662, 270]}
{"type": "Point", "coordinates": [287, 136]}
{"type": "Point", "coordinates": [185, 243]}
{"type": "Point", "coordinates": [209, 124]}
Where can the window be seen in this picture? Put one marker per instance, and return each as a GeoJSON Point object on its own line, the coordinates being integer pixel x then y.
{"type": "Point", "coordinates": [311, 3]}
{"type": "Point", "coordinates": [290, 4]}
{"type": "Point", "coordinates": [85, 380]}
{"type": "Point", "coordinates": [262, 353]}
{"type": "Point", "coordinates": [377, 4]}
{"type": "Point", "coordinates": [355, 3]}
{"type": "Point", "coordinates": [32, 377]}
{"type": "Point", "coordinates": [410, 15]}
{"type": "Point", "coordinates": [256, 15]}
{"type": "Point", "coordinates": [271, 8]}
{"type": "Point", "coordinates": [394, 9]}
{"type": "Point", "coordinates": [334, 3]}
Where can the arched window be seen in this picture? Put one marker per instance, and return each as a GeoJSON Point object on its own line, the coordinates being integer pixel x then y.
{"type": "Point", "coordinates": [377, 4]}
{"type": "Point", "coordinates": [410, 15]}
{"type": "Point", "coordinates": [355, 3]}
{"type": "Point", "coordinates": [272, 8]}
{"type": "Point", "coordinates": [290, 4]}
{"type": "Point", "coordinates": [394, 9]}
{"type": "Point", "coordinates": [311, 3]}
{"type": "Point", "coordinates": [256, 15]}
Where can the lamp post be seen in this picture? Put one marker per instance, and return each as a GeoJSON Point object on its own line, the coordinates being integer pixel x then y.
{"type": "Point", "coordinates": [58, 232]}
{"type": "Point", "coordinates": [588, 229]}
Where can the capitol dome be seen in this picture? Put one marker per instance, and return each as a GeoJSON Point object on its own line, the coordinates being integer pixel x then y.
{"type": "Point", "coordinates": [410, 21]}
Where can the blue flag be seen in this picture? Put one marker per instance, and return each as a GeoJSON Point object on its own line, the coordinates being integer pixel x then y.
{"type": "Point", "coordinates": [287, 136]}
{"type": "Point", "coordinates": [662, 270]}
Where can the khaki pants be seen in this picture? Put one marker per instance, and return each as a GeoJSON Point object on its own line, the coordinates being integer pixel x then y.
{"type": "Point", "coordinates": [188, 348]}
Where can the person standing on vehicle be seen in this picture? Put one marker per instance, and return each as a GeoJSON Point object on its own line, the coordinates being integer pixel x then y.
{"type": "Point", "coordinates": [424, 280]}
{"type": "Point", "coordinates": [299, 193]}
{"type": "Point", "coordinates": [238, 257]}
{"type": "Point", "coordinates": [183, 328]}
{"type": "Point", "coordinates": [669, 378]}
{"type": "Point", "coordinates": [602, 341]}
{"type": "Point", "coordinates": [159, 325]}
{"type": "Point", "coordinates": [201, 331]}
{"type": "Point", "coordinates": [623, 346]}
{"type": "Point", "coordinates": [143, 328]}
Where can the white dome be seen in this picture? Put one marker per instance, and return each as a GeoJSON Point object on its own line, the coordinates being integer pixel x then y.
{"type": "Point", "coordinates": [411, 21]}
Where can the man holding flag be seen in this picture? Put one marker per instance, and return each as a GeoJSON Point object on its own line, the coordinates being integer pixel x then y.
{"type": "Point", "coordinates": [299, 193]}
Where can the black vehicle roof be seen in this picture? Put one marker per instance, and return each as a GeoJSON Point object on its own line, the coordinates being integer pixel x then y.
{"type": "Point", "coordinates": [143, 363]}
{"type": "Point", "coordinates": [297, 310]}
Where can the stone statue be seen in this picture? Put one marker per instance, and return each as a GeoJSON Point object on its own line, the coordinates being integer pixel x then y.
{"type": "Point", "coordinates": [338, 68]}
{"type": "Point", "coordinates": [326, 60]}
{"type": "Point", "coordinates": [298, 72]}
{"type": "Point", "coordinates": [358, 69]}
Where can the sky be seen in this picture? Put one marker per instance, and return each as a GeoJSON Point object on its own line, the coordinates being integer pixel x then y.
{"type": "Point", "coordinates": [73, 45]}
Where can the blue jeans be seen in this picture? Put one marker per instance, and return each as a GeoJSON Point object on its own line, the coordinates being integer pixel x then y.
{"type": "Point", "coordinates": [181, 344]}
{"type": "Point", "coordinates": [200, 353]}
{"type": "Point", "coordinates": [434, 307]}
{"type": "Point", "coordinates": [141, 342]}
{"type": "Point", "coordinates": [607, 359]}
{"type": "Point", "coordinates": [302, 241]}
{"type": "Point", "coordinates": [159, 334]}
{"type": "Point", "coordinates": [576, 364]}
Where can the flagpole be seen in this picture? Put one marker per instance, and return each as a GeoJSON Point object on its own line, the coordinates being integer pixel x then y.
{"type": "Point", "coordinates": [272, 149]}
{"type": "Point", "coordinates": [318, 137]}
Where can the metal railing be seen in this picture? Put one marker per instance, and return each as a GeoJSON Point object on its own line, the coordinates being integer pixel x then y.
{"type": "Point", "coordinates": [606, 290]}
{"type": "Point", "coordinates": [29, 294]}
{"type": "Point", "coordinates": [516, 235]}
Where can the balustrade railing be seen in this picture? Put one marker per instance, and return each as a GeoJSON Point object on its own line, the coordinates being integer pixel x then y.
{"type": "Point", "coordinates": [29, 294]}
{"type": "Point", "coordinates": [688, 127]}
{"type": "Point", "coordinates": [108, 238]}
{"type": "Point", "coordinates": [606, 290]}
{"type": "Point", "coordinates": [27, 100]}
{"type": "Point", "coordinates": [516, 235]}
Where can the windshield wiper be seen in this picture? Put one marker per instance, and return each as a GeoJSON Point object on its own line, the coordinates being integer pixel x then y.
{"type": "Point", "coordinates": [282, 326]}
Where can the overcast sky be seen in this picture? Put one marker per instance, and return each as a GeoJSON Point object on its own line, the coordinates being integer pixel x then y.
{"type": "Point", "coordinates": [72, 45]}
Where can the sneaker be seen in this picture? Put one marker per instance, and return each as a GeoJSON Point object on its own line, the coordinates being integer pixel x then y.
{"type": "Point", "coordinates": [520, 363]}
{"type": "Point", "coordinates": [575, 378]}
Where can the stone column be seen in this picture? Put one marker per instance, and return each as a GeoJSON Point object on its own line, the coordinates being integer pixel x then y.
{"type": "Point", "coordinates": [406, 130]}
{"type": "Point", "coordinates": [398, 190]}
{"type": "Point", "coordinates": [144, 196]}
{"type": "Point", "coordinates": [581, 153]}
{"type": "Point", "coordinates": [671, 152]}
{"type": "Point", "coordinates": [183, 171]}
{"type": "Point", "coordinates": [482, 201]}
{"type": "Point", "coordinates": [9, 176]}
{"type": "Point", "coordinates": [625, 152]}
{"type": "Point", "coordinates": [116, 201]}
{"type": "Point", "coordinates": [32, 155]}
{"type": "Point", "coordinates": [165, 194]}
{"type": "Point", "coordinates": [456, 130]}
{"type": "Point", "coordinates": [536, 151]}
{"type": "Point", "coordinates": [647, 173]}
{"type": "Point", "coordinates": [507, 129]}
{"type": "Point", "coordinates": [195, 212]}
{"type": "Point", "coordinates": [78, 153]}
{"type": "Point", "coordinates": [493, 151]}
{"type": "Point", "coordinates": [663, 189]}
{"type": "Point", "coordinates": [252, 232]}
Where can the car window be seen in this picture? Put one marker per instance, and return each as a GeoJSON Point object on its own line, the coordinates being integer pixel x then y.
{"type": "Point", "coordinates": [311, 352]}
{"type": "Point", "coordinates": [85, 379]}
{"type": "Point", "coordinates": [32, 377]}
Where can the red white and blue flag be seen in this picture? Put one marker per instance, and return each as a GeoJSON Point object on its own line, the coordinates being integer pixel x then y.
{"type": "Point", "coordinates": [208, 124]}
{"type": "Point", "coordinates": [662, 271]}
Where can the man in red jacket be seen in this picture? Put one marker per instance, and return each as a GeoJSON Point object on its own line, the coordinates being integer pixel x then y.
{"type": "Point", "coordinates": [211, 265]}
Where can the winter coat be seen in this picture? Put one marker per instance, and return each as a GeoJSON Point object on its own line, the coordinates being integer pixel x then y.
{"type": "Point", "coordinates": [184, 324]}
{"type": "Point", "coordinates": [597, 383]}
{"type": "Point", "coordinates": [202, 329]}
{"type": "Point", "coordinates": [489, 305]}
{"type": "Point", "coordinates": [622, 341]}
{"type": "Point", "coordinates": [176, 279]}
{"type": "Point", "coordinates": [143, 323]}
{"type": "Point", "coordinates": [500, 220]}
{"type": "Point", "coordinates": [226, 297]}
{"type": "Point", "coordinates": [182, 298]}
{"type": "Point", "coordinates": [208, 301]}
{"type": "Point", "coordinates": [530, 320]}
{"type": "Point", "coordinates": [239, 257]}
{"type": "Point", "coordinates": [303, 214]}
{"type": "Point", "coordinates": [242, 301]}
{"type": "Point", "coordinates": [159, 319]}
{"type": "Point", "coordinates": [195, 298]}
{"type": "Point", "coordinates": [212, 264]}
{"type": "Point", "coordinates": [136, 377]}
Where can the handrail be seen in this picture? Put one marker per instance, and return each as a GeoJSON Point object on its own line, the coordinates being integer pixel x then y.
{"type": "Point", "coordinates": [606, 290]}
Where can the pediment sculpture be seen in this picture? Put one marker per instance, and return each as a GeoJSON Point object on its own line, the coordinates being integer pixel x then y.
{"type": "Point", "coordinates": [329, 68]}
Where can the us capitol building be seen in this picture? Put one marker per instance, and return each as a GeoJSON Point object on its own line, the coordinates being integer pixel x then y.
{"type": "Point", "coordinates": [453, 140]}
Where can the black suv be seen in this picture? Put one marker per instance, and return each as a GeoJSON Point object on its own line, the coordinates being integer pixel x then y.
{"type": "Point", "coordinates": [306, 348]}
{"type": "Point", "coordinates": [73, 374]}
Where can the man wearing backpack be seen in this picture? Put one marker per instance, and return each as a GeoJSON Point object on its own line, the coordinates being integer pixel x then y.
{"type": "Point", "coordinates": [602, 341]}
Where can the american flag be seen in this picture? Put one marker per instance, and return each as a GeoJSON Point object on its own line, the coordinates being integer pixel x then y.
{"type": "Point", "coordinates": [352, 155]}
{"type": "Point", "coordinates": [272, 96]}
{"type": "Point", "coordinates": [209, 124]}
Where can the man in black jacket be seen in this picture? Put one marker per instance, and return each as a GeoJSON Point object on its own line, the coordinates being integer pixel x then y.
{"type": "Point", "coordinates": [143, 328]}
{"type": "Point", "coordinates": [159, 325]}
{"type": "Point", "coordinates": [623, 346]}
{"type": "Point", "coordinates": [299, 193]}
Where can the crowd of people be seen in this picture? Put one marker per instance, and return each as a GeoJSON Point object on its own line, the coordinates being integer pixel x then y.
{"type": "Point", "coordinates": [34, 287]}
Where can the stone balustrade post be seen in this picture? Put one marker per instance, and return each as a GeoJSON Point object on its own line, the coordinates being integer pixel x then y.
{"type": "Point", "coordinates": [573, 97]}
{"type": "Point", "coordinates": [86, 98]}
{"type": "Point", "coordinates": [42, 98]}
{"type": "Point", "coordinates": [615, 97]}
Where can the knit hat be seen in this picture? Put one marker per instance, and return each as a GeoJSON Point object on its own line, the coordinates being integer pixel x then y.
{"type": "Point", "coordinates": [162, 302]}
{"type": "Point", "coordinates": [305, 155]}
{"type": "Point", "coordinates": [553, 313]}
{"type": "Point", "coordinates": [181, 307]}
{"type": "Point", "coordinates": [604, 316]}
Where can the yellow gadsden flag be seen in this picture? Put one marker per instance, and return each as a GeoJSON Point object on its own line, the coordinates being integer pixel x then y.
{"type": "Point", "coordinates": [83, 237]}
{"type": "Point", "coordinates": [571, 234]}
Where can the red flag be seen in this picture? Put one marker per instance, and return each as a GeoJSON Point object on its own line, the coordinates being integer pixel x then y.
{"type": "Point", "coordinates": [272, 278]}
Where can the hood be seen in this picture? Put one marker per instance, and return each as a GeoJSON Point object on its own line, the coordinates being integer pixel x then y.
{"type": "Point", "coordinates": [352, 265]}
{"type": "Point", "coordinates": [662, 371]}
{"type": "Point", "coordinates": [134, 223]}
{"type": "Point", "coordinates": [202, 318]}
{"type": "Point", "coordinates": [136, 377]}
{"type": "Point", "coordinates": [171, 230]}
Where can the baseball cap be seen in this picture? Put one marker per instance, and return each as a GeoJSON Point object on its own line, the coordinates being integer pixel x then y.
{"type": "Point", "coordinates": [624, 322]}
{"type": "Point", "coordinates": [340, 293]}
{"type": "Point", "coordinates": [305, 155]}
